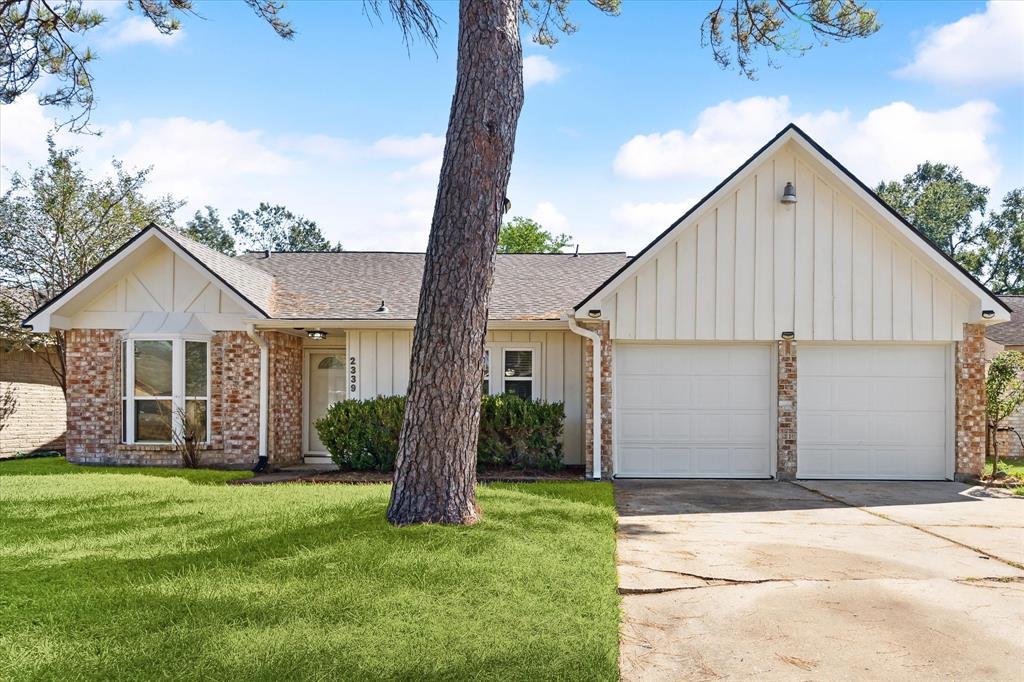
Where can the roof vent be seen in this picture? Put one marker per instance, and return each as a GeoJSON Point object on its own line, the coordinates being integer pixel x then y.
{"type": "Point", "coordinates": [576, 254]}
{"type": "Point", "coordinates": [266, 253]}
{"type": "Point", "coordinates": [382, 308]}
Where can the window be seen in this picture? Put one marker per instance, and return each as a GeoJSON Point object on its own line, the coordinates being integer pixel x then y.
{"type": "Point", "coordinates": [512, 369]}
{"type": "Point", "coordinates": [161, 379]}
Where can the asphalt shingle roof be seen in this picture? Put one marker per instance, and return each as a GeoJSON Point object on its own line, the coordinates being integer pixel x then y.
{"type": "Point", "coordinates": [351, 284]}
{"type": "Point", "coordinates": [1010, 333]}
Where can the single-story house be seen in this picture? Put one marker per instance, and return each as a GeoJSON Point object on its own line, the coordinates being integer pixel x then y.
{"type": "Point", "coordinates": [35, 418]}
{"type": "Point", "coordinates": [1010, 336]}
{"type": "Point", "coordinates": [789, 324]}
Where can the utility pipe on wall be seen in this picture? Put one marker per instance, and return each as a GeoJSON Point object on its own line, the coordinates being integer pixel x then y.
{"type": "Point", "coordinates": [261, 464]}
{"type": "Point", "coordinates": [595, 420]}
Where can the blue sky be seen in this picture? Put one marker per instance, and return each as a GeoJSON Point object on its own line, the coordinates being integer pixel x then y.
{"type": "Point", "coordinates": [626, 123]}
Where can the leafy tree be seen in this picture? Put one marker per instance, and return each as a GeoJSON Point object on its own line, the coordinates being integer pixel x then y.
{"type": "Point", "coordinates": [275, 228]}
{"type": "Point", "coordinates": [208, 229]}
{"type": "Point", "coordinates": [435, 470]}
{"type": "Point", "coordinates": [523, 235]}
{"type": "Point", "coordinates": [1004, 389]}
{"type": "Point", "coordinates": [42, 39]}
{"type": "Point", "coordinates": [56, 224]}
{"type": "Point", "coordinates": [949, 209]}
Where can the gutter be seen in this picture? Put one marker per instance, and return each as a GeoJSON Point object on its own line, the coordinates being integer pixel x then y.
{"type": "Point", "coordinates": [595, 420]}
{"type": "Point", "coordinates": [261, 463]}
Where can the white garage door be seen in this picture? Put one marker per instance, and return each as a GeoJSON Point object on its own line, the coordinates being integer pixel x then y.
{"type": "Point", "coordinates": [872, 411]}
{"type": "Point", "coordinates": [692, 411]}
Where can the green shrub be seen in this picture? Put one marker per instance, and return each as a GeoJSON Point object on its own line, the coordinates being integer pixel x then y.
{"type": "Point", "coordinates": [363, 434]}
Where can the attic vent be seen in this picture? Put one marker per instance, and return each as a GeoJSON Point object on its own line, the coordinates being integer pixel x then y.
{"type": "Point", "coordinates": [382, 308]}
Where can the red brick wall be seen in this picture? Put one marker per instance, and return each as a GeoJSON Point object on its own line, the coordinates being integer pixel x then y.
{"type": "Point", "coordinates": [604, 329]}
{"type": "Point", "coordinates": [94, 407]}
{"type": "Point", "coordinates": [970, 402]}
{"type": "Point", "coordinates": [786, 444]}
{"type": "Point", "coordinates": [285, 426]}
{"type": "Point", "coordinates": [39, 417]}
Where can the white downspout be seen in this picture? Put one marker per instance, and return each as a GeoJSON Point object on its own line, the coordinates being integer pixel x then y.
{"type": "Point", "coordinates": [595, 420]}
{"type": "Point", "coordinates": [264, 391]}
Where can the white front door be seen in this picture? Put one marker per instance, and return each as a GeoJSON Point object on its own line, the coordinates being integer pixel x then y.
{"type": "Point", "coordinates": [326, 387]}
{"type": "Point", "coordinates": [873, 411]}
{"type": "Point", "coordinates": [693, 411]}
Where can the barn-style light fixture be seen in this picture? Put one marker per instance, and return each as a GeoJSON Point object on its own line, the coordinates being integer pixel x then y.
{"type": "Point", "coordinates": [594, 313]}
{"type": "Point", "coordinates": [789, 194]}
{"type": "Point", "coordinates": [317, 334]}
{"type": "Point", "coordinates": [988, 314]}
{"type": "Point", "coordinates": [788, 336]}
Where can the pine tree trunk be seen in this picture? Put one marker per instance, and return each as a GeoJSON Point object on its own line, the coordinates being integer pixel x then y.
{"type": "Point", "coordinates": [435, 473]}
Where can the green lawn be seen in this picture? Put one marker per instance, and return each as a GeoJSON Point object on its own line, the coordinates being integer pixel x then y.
{"type": "Point", "coordinates": [48, 466]}
{"type": "Point", "coordinates": [1013, 467]}
{"type": "Point", "coordinates": [138, 576]}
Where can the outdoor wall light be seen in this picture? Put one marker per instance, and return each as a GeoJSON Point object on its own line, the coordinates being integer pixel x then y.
{"type": "Point", "coordinates": [594, 313]}
{"type": "Point", "coordinates": [788, 336]}
{"type": "Point", "coordinates": [789, 194]}
{"type": "Point", "coordinates": [317, 334]}
{"type": "Point", "coordinates": [988, 314]}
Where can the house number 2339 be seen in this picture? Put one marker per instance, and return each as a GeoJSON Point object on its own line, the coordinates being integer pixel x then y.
{"type": "Point", "coordinates": [352, 376]}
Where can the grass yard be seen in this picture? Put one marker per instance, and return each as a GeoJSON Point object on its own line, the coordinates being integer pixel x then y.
{"type": "Point", "coordinates": [120, 576]}
{"type": "Point", "coordinates": [1013, 466]}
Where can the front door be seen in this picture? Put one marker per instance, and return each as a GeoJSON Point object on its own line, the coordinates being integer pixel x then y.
{"type": "Point", "coordinates": [326, 387]}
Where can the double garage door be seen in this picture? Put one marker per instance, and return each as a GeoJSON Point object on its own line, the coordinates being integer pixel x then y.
{"type": "Point", "coordinates": [707, 411]}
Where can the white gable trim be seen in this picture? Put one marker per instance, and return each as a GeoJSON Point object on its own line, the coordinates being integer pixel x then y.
{"type": "Point", "coordinates": [987, 301]}
{"type": "Point", "coordinates": [48, 317]}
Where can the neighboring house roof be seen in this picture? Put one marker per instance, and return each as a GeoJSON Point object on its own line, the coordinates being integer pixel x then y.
{"type": "Point", "coordinates": [792, 131]}
{"type": "Point", "coordinates": [351, 284]}
{"type": "Point", "coordinates": [1010, 333]}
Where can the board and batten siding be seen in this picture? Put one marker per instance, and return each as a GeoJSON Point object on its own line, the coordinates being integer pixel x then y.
{"type": "Point", "coordinates": [749, 268]}
{"type": "Point", "coordinates": [378, 364]}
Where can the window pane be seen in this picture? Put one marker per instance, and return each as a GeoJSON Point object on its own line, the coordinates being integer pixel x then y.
{"type": "Point", "coordinates": [487, 372]}
{"type": "Point", "coordinates": [331, 362]}
{"type": "Point", "coordinates": [519, 363]}
{"type": "Point", "coordinates": [152, 368]}
{"type": "Point", "coordinates": [124, 369]}
{"type": "Point", "coordinates": [195, 368]}
{"type": "Point", "coordinates": [152, 421]}
{"type": "Point", "coordinates": [124, 421]}
{"type": "Point", "coordinates": [195, 413]}
{"type": "Point", "coordinates": [523, 389]}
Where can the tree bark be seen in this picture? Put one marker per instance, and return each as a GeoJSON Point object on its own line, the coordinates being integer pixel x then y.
{"type": "Point", "coordinates": [435, 473]}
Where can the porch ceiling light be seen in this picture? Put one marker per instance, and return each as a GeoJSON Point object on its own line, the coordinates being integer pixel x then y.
{"type": "Point", "coordinates": [788, 336]}
{"type": "Point", "coordinates": [317, 334]}
{"type": "Point", "coordinates": [789, 194]}
{"type": "Point", "coordinates": [595, 313]}
{"type": "Point", "coordinates": [988, 314]}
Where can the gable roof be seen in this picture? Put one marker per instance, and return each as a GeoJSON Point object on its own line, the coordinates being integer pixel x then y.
{"type": "Point", "coordinates": [1010, 333]}
{"type": "Point", "coordinates": [349, 285]}
{"type": "Point", "coordinates": [792, 131]}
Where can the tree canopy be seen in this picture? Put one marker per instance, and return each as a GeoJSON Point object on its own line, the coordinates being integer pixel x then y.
{"type": "Point", "coordinates": [206, 228]}
{"type": "Point", "coordinates": [523, 235]}
{"type": "Point", "coordinates": [56, 224]}
{"type": "Point", "coordinates": [950, 210]}
{"type": "Point", "coordinates": [275, 228]}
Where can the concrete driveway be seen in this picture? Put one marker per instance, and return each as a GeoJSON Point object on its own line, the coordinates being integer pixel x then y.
{"type": "Point", "coordinates": [738, 580]}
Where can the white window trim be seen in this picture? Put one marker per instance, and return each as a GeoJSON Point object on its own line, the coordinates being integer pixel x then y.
{"type": "Point", "coordinates": [177, 397]}
{"type": "Point", "coordinates": [496, 369]}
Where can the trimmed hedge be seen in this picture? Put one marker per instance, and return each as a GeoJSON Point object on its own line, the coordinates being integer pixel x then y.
{"type": "Point", "coordinates": [363, 434]}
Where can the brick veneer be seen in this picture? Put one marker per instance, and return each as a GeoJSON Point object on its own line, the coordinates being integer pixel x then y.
{"type": "Point", "coordinates": [94, 402]}
{"type": "Point", "coordinates": [285, 427]}
{"type": "Point", "coordinates": [970, 402]}
{"type": "Point", "coordinates": [38, 420]}
{"type": "Point", "coordinates": [604, 329]}
{"type": "Point", "coordinates": [786, 444]}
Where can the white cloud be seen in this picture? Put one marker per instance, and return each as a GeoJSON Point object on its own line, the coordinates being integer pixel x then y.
{"type": "Point", "coordinates": [549, 217]}
{"type": "Point", "coordinates": [539, 69]}
{"type": "Point", "coordinates": [986, 48]}
{"type": "Point", "coordinates": [137, 30]}
{"type": "Point", "coordinates": [23, 128]}
{"type": "Point", "coordinates": [887, 143]}
{"type": "Point", "coordinates": [421, 145]}
{"type": "Point", "coordinates": [428, 168]}
{"type": "Point", "coordinates": [652, 217]}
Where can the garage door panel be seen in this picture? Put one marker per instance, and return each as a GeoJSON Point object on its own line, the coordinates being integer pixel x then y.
{"type": "Point", "coordinates": [709, 415]}
{"type": "Point", "coordinates": [887, 419]}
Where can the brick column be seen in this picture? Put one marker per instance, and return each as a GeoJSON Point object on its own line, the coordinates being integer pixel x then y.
{"type": "Point", "coordinates": [786, 446]}
{"type": "Point", "coordinates": [285, 428]}
{"type": "Point", "coordinates": [970, 402]}
{"type": "Point", "coordinates": [93, 395]}
{"type": "Point", "coordinates": [604, 329]}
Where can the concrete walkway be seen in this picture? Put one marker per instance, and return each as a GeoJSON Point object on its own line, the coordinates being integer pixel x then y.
{"type": "Point", "coordinates": [738, 580]}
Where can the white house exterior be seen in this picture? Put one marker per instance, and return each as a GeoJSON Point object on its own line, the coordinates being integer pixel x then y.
{"type": "Point", "coordinates": [821, 338]}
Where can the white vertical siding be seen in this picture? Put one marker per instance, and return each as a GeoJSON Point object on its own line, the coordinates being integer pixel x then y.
{"type": "Point", "coordinates": [749, 268]}
{"type": "Point", "coordinates": [382, 368]}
